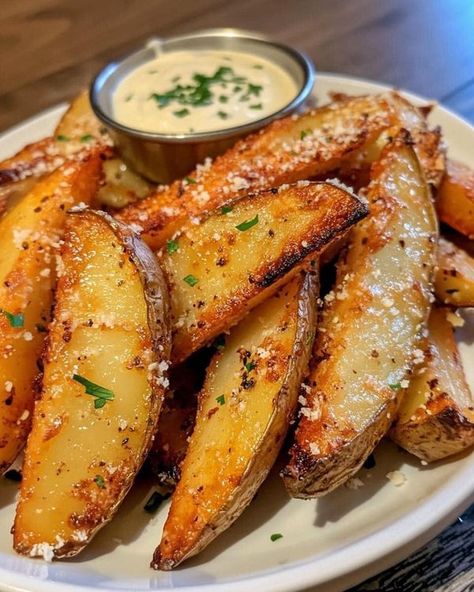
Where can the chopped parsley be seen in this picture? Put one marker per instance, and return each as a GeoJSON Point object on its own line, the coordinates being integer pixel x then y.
{"type": "Point", "coordinates": [190, 180]}
{"type": "Point", "coordinates": [249, 366]}
{"type": "Point", "coordinates": [191, 280]}
{"type": "Point", "coordinates": [154, 501]}
{"type": "Point", "coordinates": [243, 226]}
{"type": "Point", "coordinates": [223, 99]}
{"type": "Point", "coordinates": [226, 209]}
{"type": "Point", "coordinates": [395, 386]}
{"type": "Point", "coordinates": [275, 536]}
{"type": "Point", "coordinates": [305, 133]}
{"type": "Point", "coordinates": [87, 138]}
{"type": "Point", "coordinates": [16, 320]}
{"type": "Point", "coordinates": [99, 481]}
{"type": "Point", "coordinates": [220, 399]}
{"type": "Point", "coordinates": [256, 106]}
{"type": "Point", "coordinates": [172, 246]}
{"type": "Point", "coordinates": [101, 393]}
{"type": "Point", "coordinates": [62, 138]}
{"type": "Point", "coordinates": [222, 114]}
{"type": "Point", "coordinates": [129, 97]}
{"type": "Point", "coordinates": [182, 112]}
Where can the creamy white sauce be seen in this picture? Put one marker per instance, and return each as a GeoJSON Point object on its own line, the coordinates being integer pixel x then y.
{"type": "Point", "coordinates": [200, 91]}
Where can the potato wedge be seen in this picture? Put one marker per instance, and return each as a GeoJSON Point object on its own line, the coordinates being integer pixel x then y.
{"type": "Point", "coordinates": [455, 203]}
{"type": "Point", "coordinates": [79, 121]}
{"type": "Point", "coordinates": [103, 385]}
{"type": "Point", "coordinates": [217, 270]}
{"type": "Point", "coordinates": [11, 193]}
{"type": "Point", "coordinates": [454, 279]}
{"type": "Point", "coordinates": [288, 150]}
{"type": "Point", "coordinates": [121, 185]}
{"type": "Point", "coordinates": [29, 242]}
{"type": "Point", "coordinates": [436, 417]}
{"type": "Point", "coordinates": [245, 407]}
{"type": "Point", "coordinates": [371, 328]}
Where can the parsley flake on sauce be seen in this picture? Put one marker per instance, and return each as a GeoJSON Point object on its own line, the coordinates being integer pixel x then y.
{"type": "Point", "coordinates": [275, 536]}
{"type": "Point", "coordinates": [101, 393]}
{"type": "Point", "coordinates": [243, 226]}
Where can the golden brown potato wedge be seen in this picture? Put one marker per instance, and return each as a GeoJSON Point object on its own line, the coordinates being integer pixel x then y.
{"type": "Point", "coordinates": [11, 193]}
{"type": "Point", "coordinates": [455, 203]}
{"type": "Point", "coordinates": [121, 185]}
{"type": "Point", "coordinates": [436, 417]}
{"type": "Point", "coordinates": [79, 122]}
{"type": "Point", "coordinates": [371, 328]}
{"type": "Point", "coordinates": [220, 268]}
{"type": "Point", "coordinates": [29, 241]}
{"type": "Point", "coordinates": [102, 389]}
{"type": "Point", "coordinates": [454, 279]}
{"type": "Point", "coordinates": [245, 407]}
{"type": "Point", "coordinates": [428, 145]}
{"type": "Point", "coordinates": [288, 150]}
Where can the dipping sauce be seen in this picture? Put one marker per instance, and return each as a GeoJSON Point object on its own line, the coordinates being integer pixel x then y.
{"type": "Point", "coordinates": [186, 92]}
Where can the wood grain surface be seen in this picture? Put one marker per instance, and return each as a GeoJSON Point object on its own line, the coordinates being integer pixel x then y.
{"type": "Point", "coordinates": [51, 48]}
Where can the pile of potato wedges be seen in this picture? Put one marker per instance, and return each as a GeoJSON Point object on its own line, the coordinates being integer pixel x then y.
{"type": "Point", "coordinates": [186, 325]}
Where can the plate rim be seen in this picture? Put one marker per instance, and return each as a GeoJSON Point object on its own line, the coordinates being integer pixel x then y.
{"type": "Point", "coordinates": [418, 525]}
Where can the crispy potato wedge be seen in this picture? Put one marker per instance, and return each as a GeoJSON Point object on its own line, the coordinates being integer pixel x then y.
{"type": "Point", "coordinates": [11, 193]}
{"type": "Point", "coordinates": [103, 385]}
{"type": "Point", "coordinates": [79, 121]}
{"type": "Point", "coordinates": [371, 328]}
{"type": "Point", "coordinates": [121, 185]}
{"type": "Point", "coordinates": [217, 270]}
{"type": "Point", "coordinates": [454, 279]}
{"type": "Point", "coordinates": [177, 418]}
{"type": "Point", "coordinates": [428, 145]}
{"type": "Point", "coordinates": [288, 150]}
{"type": "Point", "coordinates": [245, 407]}
{"type": "Point", "coordinates": [29, 242]}
{"type": "Point", "coordinates": [436, 417]}
{"type": "Point", "coordinates": [455, 203]}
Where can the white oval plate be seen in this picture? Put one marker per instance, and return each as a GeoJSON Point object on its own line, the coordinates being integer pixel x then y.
{"type": "Point", "coordinates": [335, 541]}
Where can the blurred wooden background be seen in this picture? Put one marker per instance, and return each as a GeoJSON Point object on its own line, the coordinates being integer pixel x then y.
{"type": "Point", "coordinates": [51, 48]}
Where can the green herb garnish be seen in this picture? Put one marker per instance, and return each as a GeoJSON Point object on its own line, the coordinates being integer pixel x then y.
{"type": "Point", "coordinates": [223, 99]}
{"type": "Point", "coordinates": [256, 106]}
{"type": "Point", "coordinates": [254, 89]}
{"type": "Point", "coordinates": [220, 399]}
{"type": "Point", "coordinates": [101, 393]}
{"type": "Point", "coordinates": [191, 280]}
{"type": "Point", "coordinates": [226, 209]}
{"type": "Point", "coordinates": [154, 501]}
{"type": "Point", "coordinates": [275, 536]}
{"type": "Point", "coordinates": [243, 226]}
{"type": "Point", "coordinates": [99, 481]}
{"type": "Point", "coordinates": [396, 386]}
{"type": "Point", "coordinates": [171, 246]}
{"type": "Point", "coordinates": [129, 97]}
{"type": "Point", "coordinates": [62, 138]}
{"type": "Point", "coordinates": [249, 366]}
{"type": "Point", "coordinates": [190, 180]}
{"type": "Point", "coordinates": [181, 112]}
{"type": "Point", "coordinates": [16, 320]}
{"type": "Point", "coordinates": [222, 114]}
{"type": "Point", "coordinates": [305, 133]}
{"type": "Point", "coordinates": [87, 138]}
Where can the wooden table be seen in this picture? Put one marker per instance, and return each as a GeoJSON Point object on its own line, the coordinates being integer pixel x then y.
{"type": "Point", "coordinates": [51, 48]}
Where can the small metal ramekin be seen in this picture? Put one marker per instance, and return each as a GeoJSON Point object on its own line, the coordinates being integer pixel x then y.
{"type": "Point", "coordinates": [165, 157]}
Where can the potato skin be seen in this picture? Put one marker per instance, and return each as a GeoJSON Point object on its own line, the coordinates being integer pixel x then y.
{"type": "Point", "coordinates": [227, 463]}
{"type": "Point", "coordinates": [288, 150]}
{"type": "Point", "coordinates": [436, 416]}
{"type": "Point", "coordinates": [81, 460]}
{"type": "Point", "coordinates": [370, 330]}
